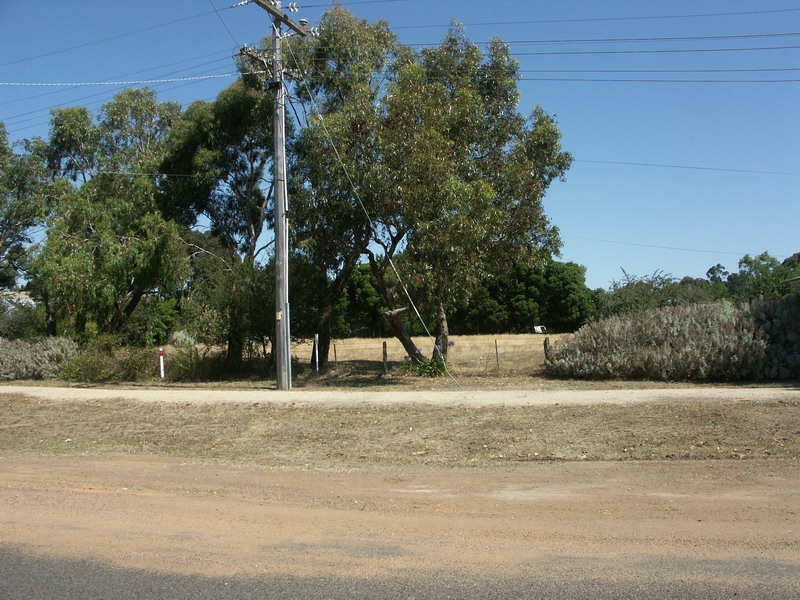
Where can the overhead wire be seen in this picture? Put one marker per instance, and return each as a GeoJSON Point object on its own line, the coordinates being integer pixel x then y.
{"type": "Point", "coordinates": [103, 40]}
{"type": "Point", "coordinates": [149, 69]}
{"type": "Point", "coordinates": [608, 19]}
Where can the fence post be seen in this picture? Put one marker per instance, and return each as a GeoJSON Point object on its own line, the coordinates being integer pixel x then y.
{"type": "Point", "coordinates": [497, 356]}
{"type": "Point", "coordinates": [316, 352]}
{"type": "Point", "coordinates": [548, 349]}
{"type": "Point", "coordinates": [385, 359]}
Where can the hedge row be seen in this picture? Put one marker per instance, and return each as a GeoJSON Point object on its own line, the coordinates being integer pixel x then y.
{"type": "Point", "coordinates": [718, 341]}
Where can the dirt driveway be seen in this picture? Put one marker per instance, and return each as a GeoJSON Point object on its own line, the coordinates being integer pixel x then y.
{"type": "Point", "coordinates": [620, 519]}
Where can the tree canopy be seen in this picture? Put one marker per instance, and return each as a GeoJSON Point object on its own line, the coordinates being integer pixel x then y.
{"type": "Point", "coordinates": [107, 245]}
{"type": "Point", "coordinates": [423, 154]}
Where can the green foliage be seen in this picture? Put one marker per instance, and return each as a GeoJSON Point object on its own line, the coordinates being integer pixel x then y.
{"type": "Point", "coordinates": [636, 294]}
{"type": "Point", "coordinates": [193, 364]}
{"type": "Point", "coordinates": [22, 206]}
{"type": "Point", "coordinates": [568, 302]}
{"type": "Point", "coordinates": [360, 314]}
{"type": "Point", "coordinates": [107, 245]}
{"type": "Point", "coordinates": [153, 322]}
{"type": "Point", "coordinates": [21, 319]}
{"type": "Point", "coordinates": [517, 300]}
{"type": "Point", "coordinates": [223, 149]}
{"type": "Point", "coordinates": [34, 359]}
{"type": "Point", "coordinates": [227, 301]}
{"type": "Point", "coordinates": [691, 342]}
{"type": "Point", "coordinates": [106, 360]}
{"type": "Point", "coordinates": [434, 367]}
{"type": "Point", "coordinates": [761, 276]}
{"type": "Point", "coordinates": [433, 146]}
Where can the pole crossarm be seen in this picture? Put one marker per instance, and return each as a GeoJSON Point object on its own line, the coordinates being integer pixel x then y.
{"type": "Point", "coordinates": [282, 17]}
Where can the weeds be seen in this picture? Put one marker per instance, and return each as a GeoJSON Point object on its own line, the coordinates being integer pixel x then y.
{"type": "Point", "coordinates": [434, 367]}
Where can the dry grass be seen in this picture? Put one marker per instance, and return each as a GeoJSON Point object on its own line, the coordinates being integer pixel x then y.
{"type": "Point", "coordinates": [476, 355]}
{"type": "Point", "coordinates": [403, 435]}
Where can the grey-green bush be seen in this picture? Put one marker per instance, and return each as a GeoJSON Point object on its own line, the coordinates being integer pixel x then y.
{"type": "Point", "coordinates": [779, 319]}
{"type": "Point", "coordinates": [34, 359]}
{"type": "Point", "coordinates": [698, 342]}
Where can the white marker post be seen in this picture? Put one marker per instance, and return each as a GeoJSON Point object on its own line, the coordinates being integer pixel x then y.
{"type": "Point", "coordinates": [161, 361]}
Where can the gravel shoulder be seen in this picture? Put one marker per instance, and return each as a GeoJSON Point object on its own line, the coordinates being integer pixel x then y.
{"type": "Point", "coordinates": [437, 396]}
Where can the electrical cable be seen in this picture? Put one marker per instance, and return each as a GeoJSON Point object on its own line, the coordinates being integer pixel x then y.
{"type": "Point", "coordinates": [136, 82]}
{"type": "Point", "coordinates": [608, 19]}
{"type": "Point", "coordinates": [225, 25]}
{"type": "Point", "coordinates": [107, 39]}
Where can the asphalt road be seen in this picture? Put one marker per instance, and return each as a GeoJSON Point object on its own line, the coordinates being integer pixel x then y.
{"type": "Point", "coordinates": [24, 576]}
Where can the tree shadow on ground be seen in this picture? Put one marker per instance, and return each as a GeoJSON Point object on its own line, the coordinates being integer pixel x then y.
{"type": "Point", "coordinates": [354, 374]}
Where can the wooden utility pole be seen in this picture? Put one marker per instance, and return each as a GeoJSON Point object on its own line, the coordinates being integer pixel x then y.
{"type": "Point", "coordinates": [282, 346]}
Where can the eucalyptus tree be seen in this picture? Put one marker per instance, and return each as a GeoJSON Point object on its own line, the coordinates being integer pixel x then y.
{"type": "Point", "coordinates": [107, 245]}
{"type": "Point", "coordinates": [464, 176]}
{"type": "Point", "coordinates": [423, 154]}
{"type": "Point", "coordinates": [341, 77]}
{"type": "Point", "coordinates": [761, 276]}
{"type": "Point", "coordinates": [22, 205]}
{"type": "Point", "coordinates": [220, 159]}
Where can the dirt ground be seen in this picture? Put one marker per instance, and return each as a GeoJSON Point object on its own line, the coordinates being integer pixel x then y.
{"type": "Point", "coordinates": [194, 516]}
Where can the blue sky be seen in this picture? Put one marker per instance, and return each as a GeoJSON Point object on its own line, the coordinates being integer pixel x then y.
{"type": "Point", "coordinates": [682, 116]}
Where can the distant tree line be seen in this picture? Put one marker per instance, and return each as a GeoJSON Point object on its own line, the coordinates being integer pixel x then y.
{"type": "Point", "coordinates": [761, 276]}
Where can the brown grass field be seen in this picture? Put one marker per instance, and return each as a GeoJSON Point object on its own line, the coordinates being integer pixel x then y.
{"type": "Point", "coordinates": [471, 356]}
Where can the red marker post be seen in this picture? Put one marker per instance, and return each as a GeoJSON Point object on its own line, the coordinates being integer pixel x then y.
{"type": "Point", "coordinates": [161, 361]}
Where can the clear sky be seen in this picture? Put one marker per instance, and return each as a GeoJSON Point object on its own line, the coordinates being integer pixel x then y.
{"type": "Point", "coordinates": [682, 116]}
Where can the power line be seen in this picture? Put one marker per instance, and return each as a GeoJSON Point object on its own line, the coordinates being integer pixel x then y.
{"type": "Point", "coordinates": [631, 40]}
{"type": "Point", "coordinates": [586, 71]}
{"type": "Point", "coordinates": [692, 167]}
{"type": "Point", "coordinates": [136, 82]}
{"type": "Point", "coordinates": [107, 39]}
{"type": "Point", "coordinates": [608, 19]}
{"type": "Point", "coordinates": [216, 12]}
{"type": "Point", "coordinates": [149, 69]}
{"type": "Point", "coordinates": [782, 69]}
{"type": "Point", "coordinates": [658, 247]}
{"type": "Point", "coordinates": [654, 51]}
{"type": "Point", "coordinates": [610, 80]}
{"type": "Point", "coordinates": [225, 25]}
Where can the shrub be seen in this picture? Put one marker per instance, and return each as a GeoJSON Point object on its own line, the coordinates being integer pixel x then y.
{"type": "Point", "coordinates": [699, 342]}
{"type": "Point", "coordinates": [188, 363]}
{"type": "Point", "coordinates": [21, 320]}
{"type": "Point", "coordinates": [779, 319]}
{"type": "Point", "coordinates": [34, 359]}
{"type": "Point", "coordinates": [434, 367]}
{"type": "Point", "coordinates": [105, 360]}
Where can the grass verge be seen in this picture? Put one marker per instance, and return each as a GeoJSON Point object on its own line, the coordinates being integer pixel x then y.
{"type": "Point", "coordinates": [335, 438]}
